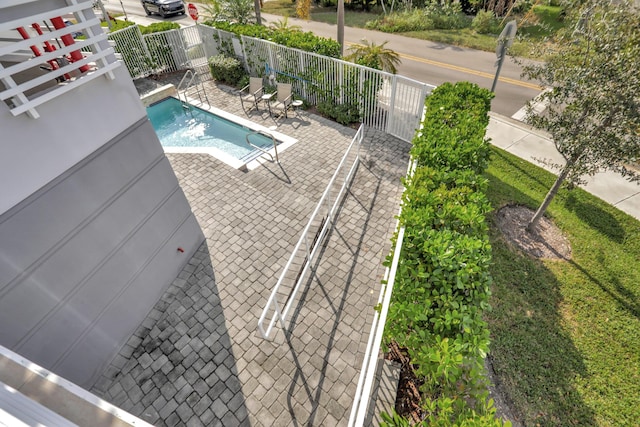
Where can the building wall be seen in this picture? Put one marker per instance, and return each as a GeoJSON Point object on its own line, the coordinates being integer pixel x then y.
{"type": "Point", "coordinates": [84, 259]}
{"type": "Point", "coordinates": [69, 128]}
{"type": "Point", "coordinates": [91, 219]}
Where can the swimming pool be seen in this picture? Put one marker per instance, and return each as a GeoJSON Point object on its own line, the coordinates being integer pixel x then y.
{"type": "Point", "coordinates": [214, 132]}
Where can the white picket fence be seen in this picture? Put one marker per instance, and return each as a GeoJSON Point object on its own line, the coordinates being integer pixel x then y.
{"type": "Point", "coordinates": [384, 101]}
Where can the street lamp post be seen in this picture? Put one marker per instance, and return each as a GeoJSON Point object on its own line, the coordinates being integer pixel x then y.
{"type": "Point", "coordinates": [505, 40]}
{"type": "Point", "coordinates": [124, 11]}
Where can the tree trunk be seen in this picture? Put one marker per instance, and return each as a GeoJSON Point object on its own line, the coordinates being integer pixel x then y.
{"type": "Point", "coordinates": [547, 200]}
{"type": "Point", "coordinates": [256, 6]}
{"type": "Point", "coordinates": [341, 25]}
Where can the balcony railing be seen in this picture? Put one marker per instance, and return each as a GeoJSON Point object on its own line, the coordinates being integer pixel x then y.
{"type": "Point", "coordinates": [40, 71]}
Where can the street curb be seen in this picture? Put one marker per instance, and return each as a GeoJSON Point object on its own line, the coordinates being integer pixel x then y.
{"type": "Point", "coordinates": [520, 125]}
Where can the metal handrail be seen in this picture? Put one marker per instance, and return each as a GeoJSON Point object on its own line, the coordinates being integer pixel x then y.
{"type": "Point", "coordinates": [310, 249]}
{"type": "Point", "coordinates": [275, 145]}
{"type": "Point", "coordinates": [183, 90]}
{"type": "Point", "coordinates": [180, 88]}
{"type": "Point", "coordinates": [183, 79]}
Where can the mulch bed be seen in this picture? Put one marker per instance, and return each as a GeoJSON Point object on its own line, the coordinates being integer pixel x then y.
{"type": "Point", "coordinates": [408, 394]}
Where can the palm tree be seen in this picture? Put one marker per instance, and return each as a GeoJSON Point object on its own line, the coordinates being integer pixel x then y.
{"type": "Point", "coordinates": [375, 56]}
{"type": "Point", "coordinates": [283, 25]}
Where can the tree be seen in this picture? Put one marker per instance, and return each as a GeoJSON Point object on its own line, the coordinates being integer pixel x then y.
{"type": "Point", "coordinates": [257, 4]}
{"type": "Point", "coordinates": [240, 11]}
{"type": "Point", "coordinates": [374, 55]}
{"type": "Point", "coordinates": [593, 110]}
{"type": "Point", "coordinates": [303, 9]}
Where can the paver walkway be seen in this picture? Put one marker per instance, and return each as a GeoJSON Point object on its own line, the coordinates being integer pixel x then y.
{"type": "Point", "coordinates": [198, 359]}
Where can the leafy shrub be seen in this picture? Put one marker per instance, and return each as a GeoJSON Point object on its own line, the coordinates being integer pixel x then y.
{"type": "Point", "coordinates": [455, 128]}
{"type": "Point", "coordinates": [485, 22]}
{"type": "Point", "coordinates": [226, 70]}
{"type": "Point", "coordinates": [433, 16]}
{"type": "Point", "coordinates": [308, 42]}
{"type": "Point", "coordinates": [436, 204]}
{"type": "Point", "coordinates": [442, 283]}
{"type": "Point", "coordinates": [344, 114]}
{"type": "Point", "coordinates": [118, 24]}
{"type": "Point", "coordinates": [158, 27]}
{"type": "Point", "coordinates": [400, 22]}
{"type": "Point", "coordinates": [447, 16]}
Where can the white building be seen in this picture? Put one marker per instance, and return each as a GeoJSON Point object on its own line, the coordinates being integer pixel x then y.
{"type": "Point", "coordinates": [93, 224]}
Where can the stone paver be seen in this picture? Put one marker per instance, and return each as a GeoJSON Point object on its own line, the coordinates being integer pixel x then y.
{"type": "Point", "coordinates": [198, 359]}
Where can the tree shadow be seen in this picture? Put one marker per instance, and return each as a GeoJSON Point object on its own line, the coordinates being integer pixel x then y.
{"type": "Point", "coordinates": [626, 299]}
{"type": "Point", "coordinates": [532, 354]}
{"type": "Point", "coordinates": [596, 217]}
{"type": "Point", "coordinates": [513, 162]}
{"type": "Point", "coordinates": [444, 46]}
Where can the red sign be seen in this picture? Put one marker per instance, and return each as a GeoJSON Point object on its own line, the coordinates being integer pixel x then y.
{"type": "Point", "coordinates": [193, 11]}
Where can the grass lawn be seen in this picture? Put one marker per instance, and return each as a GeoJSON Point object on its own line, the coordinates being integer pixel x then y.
{"type": "Point", "coordinates": [534, 27]}
{"type": "Point", "coordinates": [320, 14]}
{"type": "Point", "coordinates": [566, 335]}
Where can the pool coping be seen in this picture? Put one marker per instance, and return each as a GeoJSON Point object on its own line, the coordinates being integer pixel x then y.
{"type": "Point", "coordinates": [285, 140]}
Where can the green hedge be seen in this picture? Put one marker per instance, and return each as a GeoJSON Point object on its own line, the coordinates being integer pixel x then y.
{"type": "Point", "coordinates": [442, 284]}
{"type": "Point", "coordinates": [306, 41]}
{"type": "Point", "coordinates": [158, 27]}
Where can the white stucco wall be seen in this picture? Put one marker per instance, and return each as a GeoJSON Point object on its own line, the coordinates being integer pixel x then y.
{"type": "Point", "coordinates": [70, 127]}
{"type": "Point", "coordinates": [91, 216]}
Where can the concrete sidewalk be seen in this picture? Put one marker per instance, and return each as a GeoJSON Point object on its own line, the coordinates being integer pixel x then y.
{"type": "Point", "coordinates": [531, 144]}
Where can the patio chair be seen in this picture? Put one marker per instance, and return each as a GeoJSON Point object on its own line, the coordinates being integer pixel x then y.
{"type": "Point", "coordinates": [252, 93]}
{"type": "Point", "coordinates": [283, 100]}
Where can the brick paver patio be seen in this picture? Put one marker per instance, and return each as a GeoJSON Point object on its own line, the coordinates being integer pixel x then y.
{"type": "Point", "coordinates": [198, 359]}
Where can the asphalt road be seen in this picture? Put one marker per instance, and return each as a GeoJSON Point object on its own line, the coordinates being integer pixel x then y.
{"type": "Point", "coordinates": [425, 61]}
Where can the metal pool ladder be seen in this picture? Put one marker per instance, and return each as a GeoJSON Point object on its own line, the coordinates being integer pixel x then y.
{"type": "Point", "coordinates": [190, 86]}
{"type": "Point", "coordinates": [262, 150]}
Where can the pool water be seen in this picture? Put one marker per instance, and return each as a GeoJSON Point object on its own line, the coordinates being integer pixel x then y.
{"type": "Point", "coordinates": [177, 126]}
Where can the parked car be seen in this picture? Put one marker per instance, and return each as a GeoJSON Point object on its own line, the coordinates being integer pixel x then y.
{"type": "Point", "coordinates": [163, 8]}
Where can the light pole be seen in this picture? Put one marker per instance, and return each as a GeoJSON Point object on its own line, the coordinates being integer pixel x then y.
{"type": "Point", "coordinates": [505, 40]}
{"type": "Point", "coordinates": [105, 15]}
{"type": "Point", "coordinates": [124, 11]}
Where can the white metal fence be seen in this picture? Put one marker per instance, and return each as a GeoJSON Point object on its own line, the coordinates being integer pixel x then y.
{"type": "Point", "coordinates": [383, 101]}
{"type": "Point", "coordinates": [295, 271]}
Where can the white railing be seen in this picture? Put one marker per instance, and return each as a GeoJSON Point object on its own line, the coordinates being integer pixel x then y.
{"type": "Point", "coordinates": [40, 75]}
{"type": "Point", "coordinates": [40, 391]}
{"type": "Point", "coordinates": [294, 273]}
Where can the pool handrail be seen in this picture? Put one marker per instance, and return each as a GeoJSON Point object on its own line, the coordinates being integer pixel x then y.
{"type": "Point", "coordinates": [267, 134]}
